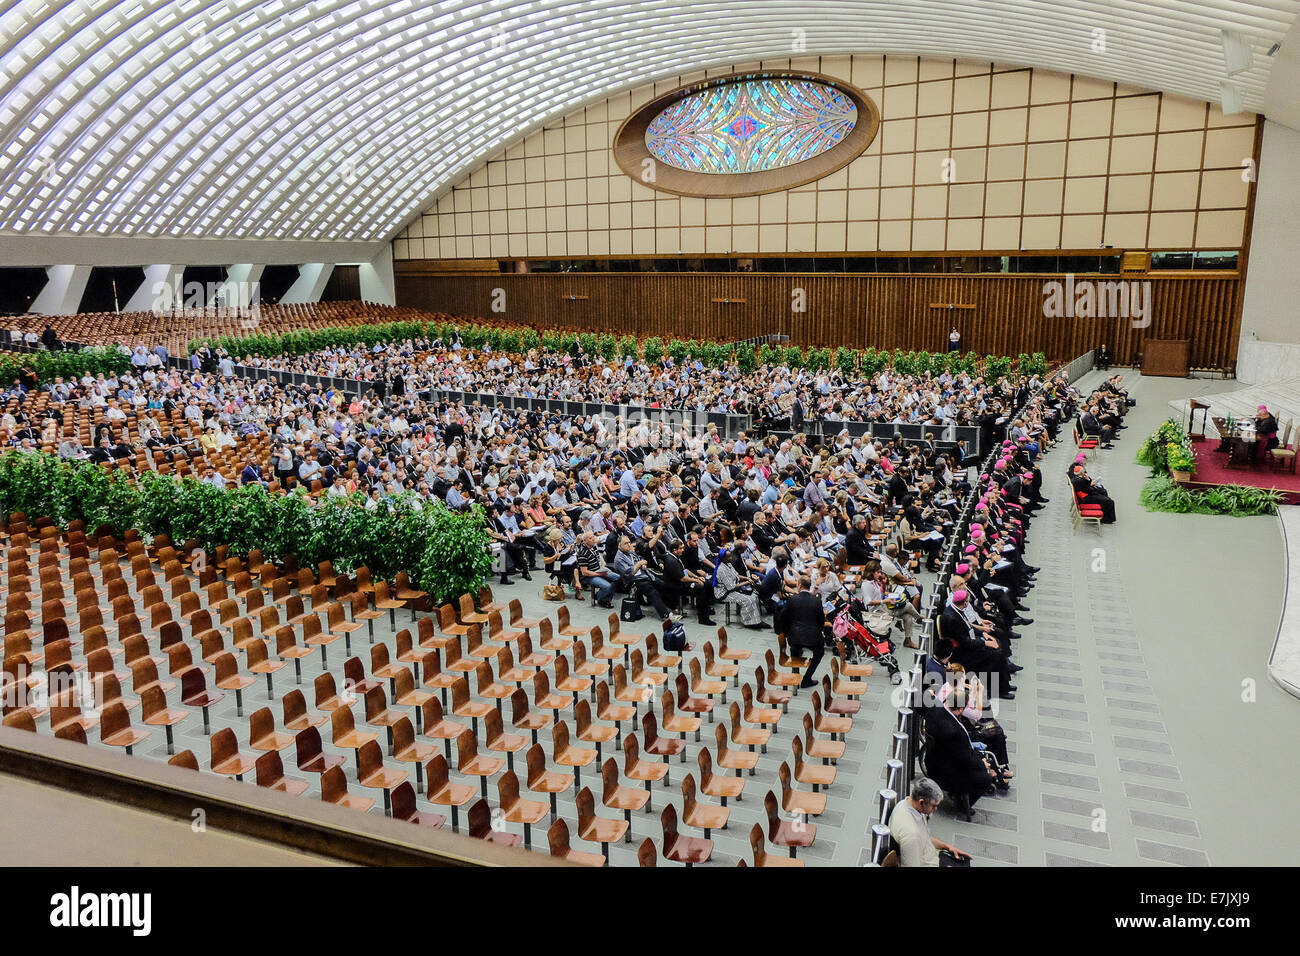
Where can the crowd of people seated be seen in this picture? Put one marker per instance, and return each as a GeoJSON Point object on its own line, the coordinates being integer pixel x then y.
{"type": "Point", "coordinates": [661, 513]}
{"type": "Point", "coordinates": [1102, 417]}
{"type": "Point", "coordinates": [971, 661]}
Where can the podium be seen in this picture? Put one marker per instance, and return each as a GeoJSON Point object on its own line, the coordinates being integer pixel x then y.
{"type": "Point", "coordinates": [1204, 409]}
{"type": "Point", "coordinates": [1166, 357]}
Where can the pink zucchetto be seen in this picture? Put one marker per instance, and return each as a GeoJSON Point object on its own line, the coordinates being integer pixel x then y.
{"type": "Point", "coordinates": [971, 549]}
{"type": "Point", "coordinates": [963, 568]}
{"type": "Point", "coordinates": [959, 597]}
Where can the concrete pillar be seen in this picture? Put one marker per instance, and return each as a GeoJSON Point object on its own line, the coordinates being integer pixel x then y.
{"type": "Point", "coordinates": [240, 285]}
{"type": "Point", "coordinates": [312, 279]}
{"type": "Point", "coordinates": [157, 289]}
{"type": "Point", "coordinates": [63, 290]}
{"type": "Point", "coordinates": [377, 278]}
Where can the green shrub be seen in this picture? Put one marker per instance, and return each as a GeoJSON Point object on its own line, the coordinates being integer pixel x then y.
{"type": "Point", "coordinates": [447, 552]}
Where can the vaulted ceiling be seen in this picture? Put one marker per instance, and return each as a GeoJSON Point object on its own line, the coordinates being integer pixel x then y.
{"type": "Point", "coordinates": [337, 120]}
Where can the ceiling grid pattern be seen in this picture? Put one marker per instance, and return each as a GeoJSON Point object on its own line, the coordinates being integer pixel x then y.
{"type": "Point", "coordinates": [338, 120]}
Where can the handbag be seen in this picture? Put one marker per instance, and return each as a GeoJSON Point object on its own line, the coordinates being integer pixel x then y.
{"type": "Point", "coordinates": [630, 610]}
{"type": "Point", "coordinates": [553, 592]}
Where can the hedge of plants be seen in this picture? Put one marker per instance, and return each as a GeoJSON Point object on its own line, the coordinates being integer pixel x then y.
{"type": "Point", "coordinates": [504, 338]}
{"type": "Point", "coordinates": [447, 552]}
{"type": "Point", "coordinates": [47, 366]}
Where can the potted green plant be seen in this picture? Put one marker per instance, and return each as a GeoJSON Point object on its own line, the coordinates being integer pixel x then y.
{"type": "Point", "coordinates": [1181, 460]}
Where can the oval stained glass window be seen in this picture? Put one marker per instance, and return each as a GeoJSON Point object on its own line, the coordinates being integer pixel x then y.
{"type": "Point", "coordinates": [751, 126]}
{"type": "Point", "coordinates": [746, 134]}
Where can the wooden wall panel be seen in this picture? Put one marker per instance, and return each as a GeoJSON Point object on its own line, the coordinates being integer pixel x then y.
{"type": "Point", "coordinates": [885, 311]}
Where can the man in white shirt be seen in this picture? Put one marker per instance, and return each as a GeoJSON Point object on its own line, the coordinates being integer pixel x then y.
{"type": "Point", "coordinates": [909, 825]}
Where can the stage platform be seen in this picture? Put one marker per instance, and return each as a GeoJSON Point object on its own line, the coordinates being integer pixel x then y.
{"type": "Point", "coordinates": [1282, 396]}
{"type": "Point", "coordinates": [1212, 469]}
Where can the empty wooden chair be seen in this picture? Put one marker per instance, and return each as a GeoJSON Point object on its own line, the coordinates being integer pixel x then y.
{"type": "Point", "coordinates": [155, 713]}
{"type": "Point", "coordinates": [589, 732]}
{"type": "Point", "coordinates": [443, 793]}
{"type": "Point", "coordinates": [682, 849]}
{"type": "Point", "coordinates": [262, 734]}
{"type": "Point", "coordinates": [761, 856]}
{"type": "Point", "coordinates": [195, 693]}
{"type": "Point", "coordinates": [596, 829]}
{"type": "Point", "coordinates": [438, 727]}
{"type": "Point", "coordinates": [524, 718]}
{"type": "Point", "coordinates": [516, 809]}
{"type": "Point", "coordinates": [818, 749]}
{"type": "Point", "coordinates": [701, 816]}
{"type": "Point", "coordinates": [543, 780]}
{"type": "Point", "coordinates": [750, 737]}
{"type": "Point", "coordinates": [647, 771]}
{"type": "Point", "coordinates": [186, 759]}
{"type": "Point", "coordinates": [226, 758]}
{"type": "Point", "coordinates": [566, 754]}
{"type": "Point", "coordinates": [787, 833]}
{"type": "Point", "coordinates": [470, 763]}
{"type": "Point", "coordinates": [334, 789]}
{"type": "Point", "coordinates": [617, 797]}
{"type": "Point", "coordinates": [799, 801]}
{"type": "Point", "coordinates": [372, 773]}
{"type": "Point", "coordinates": [716, 784]}
{"type": "Point", "coordinates": [675, 723]}
{"type": "Point", "coordinates": [728, 759]}
{"type": "Point", "coordinates": [496, 739]}
{"type": "Point", "coordinates": [481, 825]}
{"type": "Point", "coordinates": [270, 774]}
{"type": "Point", "coordinates": [558, 837]}
{"type": "Point", "coordinates": [311, 757]}
{"type": "Point", "coordinates": [258, 661]}
{"type": "Point", "coordinates": [407, 749]}
{"type": "Point", "coordinates": [296, 717]}
{"type": "Point", "coordinates": [827, 724]}
{"type": "Point", "coordinates": [815, 775]}
{"type": "Point", "coordinates": [345, 734]}
{"type": "Point", "coordinates": [404, 808]}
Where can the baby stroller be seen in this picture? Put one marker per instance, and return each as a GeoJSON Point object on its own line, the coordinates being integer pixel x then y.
{"type": "Point", "coordinates": [866, 637]}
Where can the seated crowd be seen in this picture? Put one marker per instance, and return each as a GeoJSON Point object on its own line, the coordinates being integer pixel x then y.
{"type": "Point", "coordinates": [665, 514]}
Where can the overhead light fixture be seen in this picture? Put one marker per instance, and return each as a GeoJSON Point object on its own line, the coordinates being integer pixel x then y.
{"type": "Point", "coordinates": [1238, 52]}
{"type": "Point", "coordinates": [1232, 98]}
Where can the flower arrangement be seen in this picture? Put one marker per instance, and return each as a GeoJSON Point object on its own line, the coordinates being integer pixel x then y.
{"type": "Point", "coordinates": [1181, 456]}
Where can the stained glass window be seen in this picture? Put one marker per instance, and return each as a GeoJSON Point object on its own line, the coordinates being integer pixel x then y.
{"type": "Point", "coordinates": [751, 125]}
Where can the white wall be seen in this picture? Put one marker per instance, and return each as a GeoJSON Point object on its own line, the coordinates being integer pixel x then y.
{"type": "Point", "coordinates": [1270, 315]}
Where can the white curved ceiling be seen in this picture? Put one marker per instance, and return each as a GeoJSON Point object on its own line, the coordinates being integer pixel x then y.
{"type": "Point", "coordinates": [338, 120]}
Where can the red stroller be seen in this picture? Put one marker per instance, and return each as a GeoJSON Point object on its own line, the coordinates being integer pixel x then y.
{"type": "Point", "coordinates": [851, 626]}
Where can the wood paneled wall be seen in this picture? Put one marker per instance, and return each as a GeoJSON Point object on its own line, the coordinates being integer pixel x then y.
{"type": "Point", "coordinates": [885, 311]}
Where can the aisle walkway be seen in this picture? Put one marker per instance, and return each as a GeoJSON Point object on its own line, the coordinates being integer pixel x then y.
{"type": "Point", "coordinates": [1124, 689]}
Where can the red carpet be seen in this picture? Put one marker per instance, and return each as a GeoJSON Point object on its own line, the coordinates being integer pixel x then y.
{"type": "Point", "coordinates": [1212, 469]}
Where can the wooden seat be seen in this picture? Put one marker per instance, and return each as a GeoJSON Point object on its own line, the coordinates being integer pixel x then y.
{"type": "Point", "coordinates": [226, 758]}
{"type": "Point", "coordinates": [701, 816]}
{"type": "Point", "coordinates": [826, 724]}
{"type": "Point", "coordinates": [270, 774]}
{"type": "Point", "coordinates": [481, 826]}
{"type": "Point", "coordinates": [689, 704]}
{"type": "Point", "coordinates": [195, 693]}
{"type": "Point", "coordinates": [372, 773]}
{"type": "Point", "coordinates": [596, 829]}
{"type": "Point", "coordinates": [311, 757]}
{"type": "Point", "coordinates": [654, 658]}
{"type": "Point", "coordinates": [404, 808]}
{"type": "Point", "coordinates": [543, 780]}
{"type": "Point", "coordinates": [334, 789]}
{"type": "Point", "coordinates": [787, 833]}
{"type": "Point", "coordinates": [841, 706]}
{"type": "Point", "coordinates": [516, 809]}
{"type": "Point", "coordinates": [815, 775]}
{"type": "Point", "coordinates": [815, 747]}
{"type": "Point", "coordinates": [842, 685]}
{"type": "Point", "coordinates": [617, 797]}
{"type": "Point", "coordinates": [153, 710]}
{"type": "Point", "coordinates": [646, 771]}
{"type": "Point", "coordinates": [496, 739]}
{"type": "Point", "coordinates": [558, 837]}
{"type": "Point", "coordinates": [344, 733]}
{"type": "Point", "coordinates": [799, 801]}
{"type": "Point", "coordinates": [498, 632]}
{"type": "Point", "coordinates": [262, 734]}
{"type": "Point", "coordinates": [442, 792]}
{"type": "Point", "coordinates": [296, 717]}
{"type": "Point", "coordinates": [546, 699]}
{"type": "Point", "coordinates": [258, 661]}
{"type": "Point", "coordinates": [682, 849]}
{"type": "Point", "coordinates": [718, 785]}
{"type": "Point", "coordinates": [438, 727]}
{"type": "Point", "coordinates": [470, 763]}
{"type": "Point", "coordinates": [728, 759]}
{"type": "Point", "coordinates": [186, 759]}
{"type": "Point", "coordinates": [524, 718]}
{"type": "Point", "coordinates": [465, 612]}
{"type": "Point", "coordinates": [517, 619]}
{"type": "Point", "coordinates": [565, 754]}
{"type": "Point", "coordinates": [761, 856]}
{"type": "Point", "coordinates": [566, 628]}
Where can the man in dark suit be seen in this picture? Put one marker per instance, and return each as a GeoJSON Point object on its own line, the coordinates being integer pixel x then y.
{"type": "Point", "coordinates": [950, 758]}
{"type": "Point", "coordinates": [977, 649]}
{"type": "Point", "coordinates": [897, 486]}
{"type": "Point", "coordinates": [857, 545]}
{"type": "Point", "coordinates": [1093, 426]}
{"type": "Point", "coordinates": [802, 619]}
{"type": "Point", "coordinates": [1090, 492]}
{"type": "Point", "coordinates": [683, 582]}
{"type": "Point", "coordinates": [796, 416]}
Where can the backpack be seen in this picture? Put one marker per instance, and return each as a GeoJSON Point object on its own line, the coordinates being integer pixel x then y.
{"type": "Point", "coordinates": [675, 637]}
{"type": "Point", "coordinates": [630, 610]}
